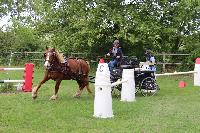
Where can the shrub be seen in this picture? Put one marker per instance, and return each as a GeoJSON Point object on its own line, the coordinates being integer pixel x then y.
{"type": "Point", "coordinates": [7, 87]}
{"type": "Point", "coordinates": [188, 63]}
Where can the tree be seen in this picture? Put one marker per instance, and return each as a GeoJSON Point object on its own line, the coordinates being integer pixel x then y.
{"type": "Point", "coordinates": [90, 25]}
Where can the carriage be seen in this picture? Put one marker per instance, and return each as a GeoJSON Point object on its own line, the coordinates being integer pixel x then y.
{"type": "Point", "coordinates": [145, 81]}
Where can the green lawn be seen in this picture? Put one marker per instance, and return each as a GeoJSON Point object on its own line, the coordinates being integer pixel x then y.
{"type": "Point", "coordinates": [172, 110]}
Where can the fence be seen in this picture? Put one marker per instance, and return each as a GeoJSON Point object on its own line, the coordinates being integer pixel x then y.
{"type": "Point", "coordinates": [18, 58]}
{"type": "Point", "coordinates": [166, 61]}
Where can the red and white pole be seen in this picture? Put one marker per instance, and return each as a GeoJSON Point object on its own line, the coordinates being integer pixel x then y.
{"type": "Point", "coordinates": [28, 77]}
{"type": "Point", "coordinates": [11, 69]}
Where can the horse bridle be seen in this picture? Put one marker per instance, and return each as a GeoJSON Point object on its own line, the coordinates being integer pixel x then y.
{"type": "Point", "coordinates": [47, 59]}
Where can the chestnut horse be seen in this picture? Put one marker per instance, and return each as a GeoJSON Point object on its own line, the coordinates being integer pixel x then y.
{"type": "Point", "coordinates": [59, 69]}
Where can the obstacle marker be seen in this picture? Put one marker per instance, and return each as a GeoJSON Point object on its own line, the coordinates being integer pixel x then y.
{"type": "Point", "coordinates": [182, 84]}
{"type": "Point", "coordinates": [103, 97]}
{"type": "Point", "coordinates": [196, 73]}
{"type": "Point", "coordinates": [128, 88]}
{"type": "Point", "coordinates": [28, 76]}
{"type": "Point", "coordinates": [101, 60]}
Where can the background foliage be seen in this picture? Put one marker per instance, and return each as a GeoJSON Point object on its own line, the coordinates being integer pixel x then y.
{"type": "Point", "coordinates": [91, 26]}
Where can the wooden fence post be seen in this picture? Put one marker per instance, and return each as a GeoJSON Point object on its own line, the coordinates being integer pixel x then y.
{"type": "Point", "coordinates": [164, 57]}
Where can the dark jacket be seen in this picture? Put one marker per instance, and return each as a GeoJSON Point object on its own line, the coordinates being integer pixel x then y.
{"type": "Point", "coordinates": [115, 53]}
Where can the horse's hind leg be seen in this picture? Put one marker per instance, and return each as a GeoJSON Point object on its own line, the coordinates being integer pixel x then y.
{"type": "Point", "coordinates": [82, 85]}
{"type": "Point", "coordinates": [54, 96]}
{"type": "Point", "coordinates": [87, 86]}
{"type": "Point", "coordinates": [79, 91]}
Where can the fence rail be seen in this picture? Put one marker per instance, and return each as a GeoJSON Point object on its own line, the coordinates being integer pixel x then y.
{"type": "Point", "coordinates": [164, 61]}
{"type": "Point", "coordinates": [9, 58]}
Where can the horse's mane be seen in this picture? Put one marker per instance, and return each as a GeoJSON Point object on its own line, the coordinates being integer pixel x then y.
{"type": "Point", "coordinates": [60, 57]}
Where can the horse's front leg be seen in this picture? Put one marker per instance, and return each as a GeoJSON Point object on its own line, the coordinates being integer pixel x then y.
{"type": "Point", "coordinates": [55, 96]}
{"type": "Point", "coordinates": [36, 88]}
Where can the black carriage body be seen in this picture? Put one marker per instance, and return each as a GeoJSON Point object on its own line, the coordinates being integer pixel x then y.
{"type": "Point", "coordinates": [144, 79]}
{"type": "Point", "coordinates": [141, 75]}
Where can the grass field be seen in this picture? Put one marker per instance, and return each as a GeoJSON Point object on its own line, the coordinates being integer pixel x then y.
{"type": "Point", "coordinates": [172, 110]}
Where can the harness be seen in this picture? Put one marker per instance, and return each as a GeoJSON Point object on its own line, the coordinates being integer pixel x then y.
{"type": "Point", "coordinates": [64, 68]}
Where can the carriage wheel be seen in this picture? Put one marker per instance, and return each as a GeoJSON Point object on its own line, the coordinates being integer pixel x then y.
{"type": "Point", "coordinates": [137, 88]}
{"type": "Point", "coordinates": [148, 86]}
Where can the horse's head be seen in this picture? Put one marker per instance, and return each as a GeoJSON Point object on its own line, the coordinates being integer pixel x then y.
{"type": "Point", "coordinates": [49, 56]}
{"type": "Point", "coordinates": [52, 56]}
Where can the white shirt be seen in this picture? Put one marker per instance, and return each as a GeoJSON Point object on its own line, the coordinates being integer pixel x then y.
{"type": "Point", "coordinates": [114, 51]}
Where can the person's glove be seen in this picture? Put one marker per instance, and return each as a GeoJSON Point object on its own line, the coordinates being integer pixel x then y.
{"type": "Point", "coordinates": [108, 54]}
{"type": "Point", "coordinates": [118, 57]}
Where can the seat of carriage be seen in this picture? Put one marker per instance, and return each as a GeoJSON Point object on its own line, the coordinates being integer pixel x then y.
{"type": "Point", "coordinates": [134, 63]}
{"type": "Point", "coordinates": [128, 63]}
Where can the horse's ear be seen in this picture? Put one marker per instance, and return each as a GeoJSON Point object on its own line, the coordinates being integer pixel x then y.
{"type": "Point", "coordinates": [54, 47]}
{"type": "Point", "coordinates": [47, 48]}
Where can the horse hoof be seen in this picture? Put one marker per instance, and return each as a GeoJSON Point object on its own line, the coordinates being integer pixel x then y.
{"type": "Point", "coordinates": [54, 97]}
{"type": "Point", "coordinates": [77, 96]}
{"type": "Point", "coordinates": [34, 96]}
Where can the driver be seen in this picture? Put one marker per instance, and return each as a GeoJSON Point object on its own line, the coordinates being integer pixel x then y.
{"type": "Point", "coordinates": [116, 53]}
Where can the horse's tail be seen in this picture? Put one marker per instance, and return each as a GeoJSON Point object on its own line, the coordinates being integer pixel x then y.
{"type": "Point", "coordinates": [88, 63]}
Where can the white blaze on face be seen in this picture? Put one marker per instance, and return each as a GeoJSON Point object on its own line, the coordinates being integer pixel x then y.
{"type": "Point", "coordinates": [46, 64]}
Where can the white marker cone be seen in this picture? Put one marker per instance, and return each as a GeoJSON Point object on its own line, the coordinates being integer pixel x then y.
{"type": "Point", "coordinates": [103, 97]}
{"type": "Point", "coordinates": [128, 88]}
